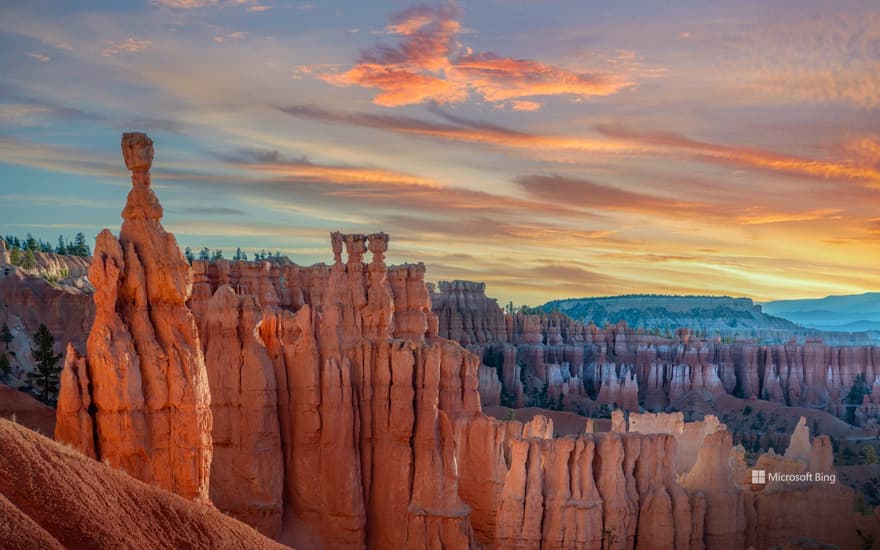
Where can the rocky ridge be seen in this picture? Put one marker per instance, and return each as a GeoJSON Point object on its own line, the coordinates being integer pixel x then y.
{"type": "Point", "coordinates": [632, 369]}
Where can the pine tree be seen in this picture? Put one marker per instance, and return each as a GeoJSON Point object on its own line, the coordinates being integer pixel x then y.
{"type": "Point", "coordinates": [61, 248]}
{"type": "Point", "coordinates": [5, 335]}
{"type": "Point", "coordinates": [15, 256]}
{"type": "Point", "coordinates": [29, 261]}
{"type": "Point", "coordinates": [5, 368]}
{"type": "Point", "coordinates": [80, 248]}
{"type": "Point", "coordinates": [188, 254]}
{"type": "Point", "coordinates": [47, 369]}
{"type": "Point", "coordinates": [218, 255]}
{"type": "Point", "coordinates": [31, 243]}
{"type": "Point", "coordinates": [205, 254]}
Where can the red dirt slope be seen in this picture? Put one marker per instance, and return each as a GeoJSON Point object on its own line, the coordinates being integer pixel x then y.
{"type": "Point", "coordinates": [50, 494]}
{"type": "Point", "coordinates": [27, 411]}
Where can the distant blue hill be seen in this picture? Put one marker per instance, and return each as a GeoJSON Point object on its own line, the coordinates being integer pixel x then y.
{"type": "Point", "coordinates": [711, 315]}
{"type": "Point", "coordinates": [851, 313]}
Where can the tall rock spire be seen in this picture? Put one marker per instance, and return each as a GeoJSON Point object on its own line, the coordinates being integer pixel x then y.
{"type": "Point", "coordinates": [149, 387]}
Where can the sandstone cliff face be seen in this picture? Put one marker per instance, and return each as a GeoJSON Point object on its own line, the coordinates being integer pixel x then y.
{"type": "Point", "coordinates": [146, 373]}
{"type": "Point", "coordinates": [247, 470]}
{"type": "Point", "coordinates": [468, 315]}
{"type": "Point", "coordinates": [27, 300]}
{"type": "Point", "coordinates": [363, 382]}
{"type": "Point", "coordinates": [69, 271]}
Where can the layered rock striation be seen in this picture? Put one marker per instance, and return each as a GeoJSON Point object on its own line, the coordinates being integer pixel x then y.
{"type": "Point", "coordinates": [362, 382]}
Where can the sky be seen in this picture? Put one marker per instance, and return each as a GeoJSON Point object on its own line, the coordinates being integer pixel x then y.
{"type": "Point", "coordinates": [550, 148]}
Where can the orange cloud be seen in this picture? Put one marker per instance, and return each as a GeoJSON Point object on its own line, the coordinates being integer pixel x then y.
{"type": "Point", "coordinates": [426, 66]}
{"type": "Point", "coordinates": [523, 105]}
{"type": "Point", "coordinates": [588, 194]}
{"type": "Point", "coordinates": [307, 171]}
{"type": "Point", "coordinates": [468, 131]}
{"type": "Point", "coordinates": [759, 218]}
{"type": "Point", "coordinates": [500, 78]}
{"type": "Point", "coordinates": [743, 156]}
{"type": "Point", "coordinates": [399, 86]}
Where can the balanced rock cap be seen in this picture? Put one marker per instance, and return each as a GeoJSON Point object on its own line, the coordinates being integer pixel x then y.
{"type": "Point", "coordinates": [137, 150]}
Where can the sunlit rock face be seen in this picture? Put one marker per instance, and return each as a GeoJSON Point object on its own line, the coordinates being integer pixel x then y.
{"type": "Point", "coordinates": [147, 384]}
{"type": "Point", "coordinates": [363, 382]}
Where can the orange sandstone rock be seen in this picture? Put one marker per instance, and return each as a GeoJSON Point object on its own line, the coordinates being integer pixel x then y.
{"type": "Point", "coordinates": [149, 387]}
{"type": "Point", "coordinates": [247, 470]}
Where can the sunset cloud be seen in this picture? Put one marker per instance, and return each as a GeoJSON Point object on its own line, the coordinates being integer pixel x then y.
{"type": "Point", "coordinates": [523, 105]}
{"type": "Point", "coordinates": [500, 78]}
{"type": "Point", "coordinates": [548, 153]}
{"type": "Point", "coordinates": [428, 64]}
{"type": "Point", "coordinates": [588, 194]}
{"type": "Point", "coordinates": [747, 157]}
{"type": "Point", "coordinates": [756, 217]}
{"type": "Point", "coordinates": [276, 166]}
{"type": "Point", "coordinates": [184, 4]}
{"type": "Point", "coordinates": [38, 56]}
{"type": "Point", "coordinates": [464, 130]}
{"type": "Point", "coordinates": [130, 45]}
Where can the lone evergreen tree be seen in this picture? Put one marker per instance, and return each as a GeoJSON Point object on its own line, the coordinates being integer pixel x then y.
{"type": "Point", "coordinates": [31, 243]}
{"type": "Point", "coordinates": [5, 368]}
{"type": "Point", "coordinates": [5, 335]}
{"type": "Point", "coordinates": [80, 248]}
{"type": "Point", "coordinates": [45, 375]}
{"type": "Point", "coordinates": [188, 254]}
{"type": "Point", "coordinates": [29, 261]}
{"type": "Point", "coordinates": [61, 248]}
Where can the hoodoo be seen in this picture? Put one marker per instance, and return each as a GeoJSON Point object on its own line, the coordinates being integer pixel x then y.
{"type": "Point", "coordinates": [147, 386]}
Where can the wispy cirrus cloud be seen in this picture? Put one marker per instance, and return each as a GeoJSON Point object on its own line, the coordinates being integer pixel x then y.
{"type": "Point", "coordinates": [757, 216]}
{"type": "Point", "coordinates": [612, 139]}
{"type": "Point", "coordinates": [42, 58]}
{"type": "Point", "coordinates": [185, 4]}
{"type": "Point", "coordinates": [129, 45]}
{"type": "Point", "coordinates": [463, 130]}
{"type": "Point", "coordinates": [429, 64]}
{"type": "Point", "coordinates": [576, 191]}
{"type": "Point", "coordinates": [277, 166]}
{"type": "Point", "coordinates": [251, 5]}
{"type": "Point", "coordinates": [747, 157]}
{"type": "Point", "coordinates": [234, 36]}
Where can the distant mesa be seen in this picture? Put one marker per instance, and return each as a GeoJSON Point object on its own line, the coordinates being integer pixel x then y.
{"type": "Point", "coordinates": [859, 312]}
